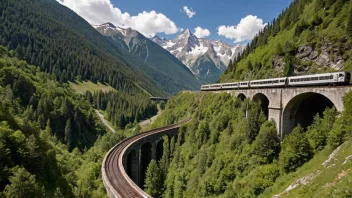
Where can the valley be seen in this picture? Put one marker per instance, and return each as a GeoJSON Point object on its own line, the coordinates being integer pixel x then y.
{"type": "Point", "coordinates": [78, 78]}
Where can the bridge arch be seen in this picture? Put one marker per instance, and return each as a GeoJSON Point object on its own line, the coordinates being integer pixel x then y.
{"type": "Point", "coordinates": [159, 149]}
{"type": "Point", "coordinates": [146, 157]}
{"type": "Point", "coordinates": [241, 96]}
{"type": "Point", "coordinates": [132, 165]}
{"type": "Point", "coordinates": [264, 102]}
{"type": "Point", "coordinates": [302, 108]}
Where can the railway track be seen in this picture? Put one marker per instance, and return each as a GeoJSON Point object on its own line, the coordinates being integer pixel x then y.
{"type": "Point", "coordinates": [117, 183]}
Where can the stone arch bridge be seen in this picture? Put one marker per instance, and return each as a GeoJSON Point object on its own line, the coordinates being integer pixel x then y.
{"type": "Point", "coordinates": [291, 106]}
{"type": "Point", "coordinates": [124, 166]}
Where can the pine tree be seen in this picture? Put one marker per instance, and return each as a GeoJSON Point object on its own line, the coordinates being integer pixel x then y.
{"type": "Point", "coordinates": [267, 143]}
{"type": "Point", "coordinates": [349, 23]}
{"type": "Point", "coordinates": [153, 182]}
{"type": "Point", "coordinates": [295, 150]}
{"type": "Point", "coordinates": [68, 134]}
{"type": "Point", "coordinates": [23, 184]}
{"type": "Point", "coordinates": [250, 66]}
{"type": "Point", "coordinates": [165, 159]}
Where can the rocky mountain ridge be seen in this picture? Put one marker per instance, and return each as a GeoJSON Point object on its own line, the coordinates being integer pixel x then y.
{"type": "Point", "coordinates": [327, 57]}
{"type": "Point", "coordinates": [207, 59]}
{"type": "Point", "coordinates": [169, 72]}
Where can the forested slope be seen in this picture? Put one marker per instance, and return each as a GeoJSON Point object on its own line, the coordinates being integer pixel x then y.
{"type": "Point", "coordinates": [226, 152]}
{"type": "Point", "coordinates": [51, 141]}
{"type": "Point", "coordinates": [49, 35]}
{"type": "Point", "coordinates": [311, 36]}
{"type": "Point", "coordinates": [165, 69]}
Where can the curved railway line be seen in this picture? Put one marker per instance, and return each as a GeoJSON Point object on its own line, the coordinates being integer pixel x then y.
{"type": "Point", "coordinates": [117, 183]}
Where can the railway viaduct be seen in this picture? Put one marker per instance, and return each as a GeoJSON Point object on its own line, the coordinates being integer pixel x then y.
{"type": "Point", "coordinates": [124, 166]}
{"type": "Point", "coordinates": [289, 107]}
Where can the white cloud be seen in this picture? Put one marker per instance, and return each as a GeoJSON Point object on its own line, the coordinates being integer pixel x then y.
{"type": "Point", "coordinates": [245, 30]}
{"type": "Point", "coordinates": [200, 32]}
{"type": "Point", "coordinates": [101, 11]}
{"type": "Point", "coordinates": [190, 13]}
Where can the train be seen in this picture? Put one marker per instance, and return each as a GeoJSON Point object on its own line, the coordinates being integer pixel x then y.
{"type": "Point", "coordinates": [335, 78]}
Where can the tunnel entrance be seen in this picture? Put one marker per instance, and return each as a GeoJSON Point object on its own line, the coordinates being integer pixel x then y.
{"type": "Point", "coordinates": [302, 109]}
{"type": "Point", "coordinates": [146, 157]}
{"type": "Point", "coordinates": [159, 150]}
{"type": "Point", "coordinates": [132, 163]}
{"type": "Point", "coordinates": [241, 96]}
{"type": "Point", "coordinates": [264, 103]}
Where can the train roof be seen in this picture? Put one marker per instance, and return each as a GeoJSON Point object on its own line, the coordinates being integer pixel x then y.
{"type": "Point", "coordinates": [315, 75]}
{"type": "Point", "coordinates": [229, 83]}
{"type": "Point", "coordinates": [282, 78]}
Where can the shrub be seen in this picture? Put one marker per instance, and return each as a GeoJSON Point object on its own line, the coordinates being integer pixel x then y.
{"type": "Point", "coordinates": [267, 143]}
{"type": "Point", "coordinates": [295, 150]}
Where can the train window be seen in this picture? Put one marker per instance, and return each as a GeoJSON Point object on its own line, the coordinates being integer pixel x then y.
{"type": "Point", "coordinates": [341, 75]}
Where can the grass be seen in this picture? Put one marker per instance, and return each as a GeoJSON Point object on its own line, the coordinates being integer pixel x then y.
{"type": "Point", "coordinates": [84, 86]}
{"type": "Point", "coordinates": [329, 183]}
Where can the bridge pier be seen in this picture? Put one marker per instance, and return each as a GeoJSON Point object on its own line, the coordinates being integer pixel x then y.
{"type": "Point", "coordinates": [139, 155]}
{"type": "Point", "coordinates": [291, 106]}
{"type": "Point", "coordinates": [275, 114]}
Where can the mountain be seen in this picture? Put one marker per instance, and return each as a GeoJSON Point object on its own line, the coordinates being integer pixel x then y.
{"type": "Point", "coordinates": [207, 59]}
{"type": "Point", "coordinates": [309, 37]}
{"type": "Point", "coordinates": [65, 45]}
{"type": "Point", "coordinates": [168, 72]}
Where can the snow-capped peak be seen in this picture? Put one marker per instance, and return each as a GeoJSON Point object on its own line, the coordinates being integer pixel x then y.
{"type": "Point", "coordinates": [108, 24]}
{"type": "Point", "coordinates": [161, 41]}
{"type": "Point", "coordinates": [189, 49]}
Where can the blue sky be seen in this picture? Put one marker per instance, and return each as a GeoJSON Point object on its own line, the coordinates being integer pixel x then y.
{"type": "Point", "coordinates": [169, 19]}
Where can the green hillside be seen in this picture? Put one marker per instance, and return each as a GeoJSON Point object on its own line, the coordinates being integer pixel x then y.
{"type": "Point", "coordinates": [49, 35]}
{"type": "Point", "coordinates": [84, 86]}
{"type": "Point", "coordinates": [226, 152]}
{"type": "Point", "coordinates": [51, 140]}
{"type": "Point", "coordinates": [311, 36]}
{"type": "Point", "coordinates": [230, 149]}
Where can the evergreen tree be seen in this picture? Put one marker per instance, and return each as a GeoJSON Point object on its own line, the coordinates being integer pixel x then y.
{"type": "Point", "coordinates": [68, 134]}
{"type": "Point", "coordinates": [250, 66]}
{"type": "Point", "coordinates": [23, 185]}
{"type": "Point", "coordinates": [267, 143]}
{"type": "Point", "coordinates": [153, 183]}
{"type": "Point", "coordinates": [318, 132]}
{"type": "Point", "coordinates": [295, 150]}
{"type": "Point", "coordinates": [349, 23]}
{"type": "Point", "coordinates": [165, 159]}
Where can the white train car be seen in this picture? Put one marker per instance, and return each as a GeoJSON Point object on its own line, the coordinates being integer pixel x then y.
{"type": "Point", "coordinates": [244, 85]}
{"type": "Point", "coordinates": [227, 86]}
{"type": "Point", "coordinates": [335, 78]}
{"type": "Point", "coordinates": [211, 87]}
{"type": "Point", "coordinates": [273, 82]}
{"type": "Point", "coordinates": [205, 87]}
